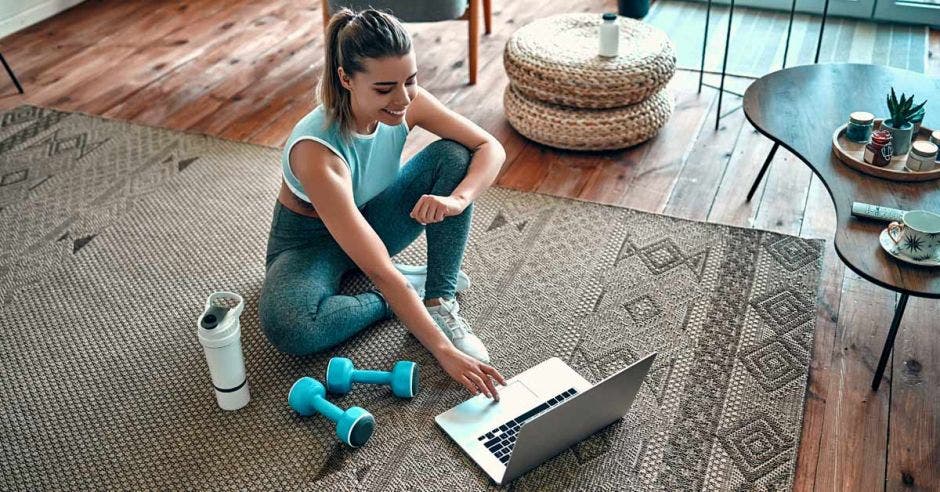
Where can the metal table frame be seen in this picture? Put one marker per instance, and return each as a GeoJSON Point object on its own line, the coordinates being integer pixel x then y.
{"type": "Point", "coordinates": [724, 65]}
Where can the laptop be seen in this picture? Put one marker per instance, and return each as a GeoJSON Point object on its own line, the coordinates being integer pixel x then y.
{"type": "Point", "coordinates": [542, 412]}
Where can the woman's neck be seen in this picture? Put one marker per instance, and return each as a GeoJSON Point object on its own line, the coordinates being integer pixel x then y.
{"type": "Point", "coordinates": [364, 127]}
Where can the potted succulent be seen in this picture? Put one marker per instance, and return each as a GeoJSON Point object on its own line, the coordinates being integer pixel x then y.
{"type": "Point", "coordinates": [900, 124]}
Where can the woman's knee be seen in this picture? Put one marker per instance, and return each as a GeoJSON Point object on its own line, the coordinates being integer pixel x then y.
{"type": "Point", "coordinates": [451, 155]}
{"type": "Point", "coordinates": [292, 326]}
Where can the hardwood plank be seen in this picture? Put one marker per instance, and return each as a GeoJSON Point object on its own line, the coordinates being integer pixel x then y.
{"type": "Point", "coordinates": [698, 182]}
{"type": "Point", "coordinates": [651, 181]}
{"type": "Point", "coordinates": [41, 45]}
{"type": "Point", "coordinates": [57, 85]}
{"type": "Point", "coordinates": [189, 46]}
{"type": "Point", "coordinates": [819, 221]}
{"type": "Point", "coordinates": [781, 206]}
{"type": "Point", "coordinates": [729, 206]}
{"type": "Point", "coordinates": [914, 427]}
{"type": "Point", "coordinates": [854, 434]}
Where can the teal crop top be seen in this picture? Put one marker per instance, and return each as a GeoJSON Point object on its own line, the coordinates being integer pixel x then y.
{"type": "Point", "coordinates": [373, 160]}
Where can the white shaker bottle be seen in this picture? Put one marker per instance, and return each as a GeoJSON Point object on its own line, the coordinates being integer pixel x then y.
{"type": "Point", "coordinates": [609, 36]}
{"type": "Point", "coordinates": [219, 331]}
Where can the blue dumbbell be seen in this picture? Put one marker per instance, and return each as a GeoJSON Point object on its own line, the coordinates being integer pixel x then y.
{"type": "Point", "coordinates": [354, 426]}
{"type": "Point", "coordinates": [340, 374]}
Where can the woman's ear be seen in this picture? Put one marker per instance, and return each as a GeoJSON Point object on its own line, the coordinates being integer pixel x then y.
{"type": "Point", "coordinates": [344, 79]}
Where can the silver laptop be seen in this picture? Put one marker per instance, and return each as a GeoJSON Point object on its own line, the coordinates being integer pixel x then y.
{"type": "Point", "coordinates": [540, 413]}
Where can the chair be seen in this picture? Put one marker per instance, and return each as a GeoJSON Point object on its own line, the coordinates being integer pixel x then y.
{"type": "Point", "coordinates": [427, 11]}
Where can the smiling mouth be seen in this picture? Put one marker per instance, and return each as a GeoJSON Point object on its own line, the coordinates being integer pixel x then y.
{"type": "Point", "coordinates": [394, 113]}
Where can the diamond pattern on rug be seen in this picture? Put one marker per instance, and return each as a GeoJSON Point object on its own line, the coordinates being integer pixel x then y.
{"type": "Point", "coordinates": [110, 250]}
{"type": "Point", "coordinates": [785, 309]}
{"type": "Point", "coordinates": [758, 445]}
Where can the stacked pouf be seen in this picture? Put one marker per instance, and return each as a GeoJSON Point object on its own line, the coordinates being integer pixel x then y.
{"type": "Point", "coordinates": [562, 94]}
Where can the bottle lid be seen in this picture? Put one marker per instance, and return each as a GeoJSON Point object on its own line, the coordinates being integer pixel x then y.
{"type": "Point", "coordinates": [610, 16]}
{"type": "Point", "coordinates": [882, 136]}
{"type": "Point", "coordinates": [861, 117]}
{"type": "Point", "coordinates": [924, 148]}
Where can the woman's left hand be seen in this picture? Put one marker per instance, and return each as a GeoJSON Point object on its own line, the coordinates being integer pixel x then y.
{"type": "Point", "coordinates": [433, 208]}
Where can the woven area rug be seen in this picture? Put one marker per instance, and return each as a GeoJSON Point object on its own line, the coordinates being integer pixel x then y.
{"type": "Point", "coordinates": [114, 234]}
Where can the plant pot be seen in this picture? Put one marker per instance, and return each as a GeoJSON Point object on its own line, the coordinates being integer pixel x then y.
{"type": "Point", "coordinates": [900, 137]}
{"type": "Point", "coordinates": [636, 9]}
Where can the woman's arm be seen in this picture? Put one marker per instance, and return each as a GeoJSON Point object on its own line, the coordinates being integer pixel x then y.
{"type": "Point", "coordinates": [429, 113]}
{"type": "Point", "coordinates": [328, 183]}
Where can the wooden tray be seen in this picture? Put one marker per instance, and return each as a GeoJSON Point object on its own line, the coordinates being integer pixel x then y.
{"type": "Point", "coordinates": [851, 154]}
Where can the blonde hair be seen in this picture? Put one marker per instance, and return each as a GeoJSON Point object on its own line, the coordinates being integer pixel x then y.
{"type": "Point", "coordinates": [351, 38]}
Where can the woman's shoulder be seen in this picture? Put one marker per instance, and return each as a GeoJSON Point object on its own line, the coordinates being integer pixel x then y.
{"type": "Point", "coordinates": [315, 124]}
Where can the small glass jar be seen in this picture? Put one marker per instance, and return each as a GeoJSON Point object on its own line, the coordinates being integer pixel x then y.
{"type": "Point", "coordinates": [861, 123]}
{"type": "Point", "coordinates": [935, 139]}
{"type": "Point", "coordinates": [922, 156]}
{"type": "Point", "coordinates": [879, 150]}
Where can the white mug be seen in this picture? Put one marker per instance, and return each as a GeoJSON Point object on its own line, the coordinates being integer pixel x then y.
{"type": "Point", "coordinates": [917, 235]}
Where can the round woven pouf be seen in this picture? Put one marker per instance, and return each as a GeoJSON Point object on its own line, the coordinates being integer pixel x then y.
{"type": "Point", "coordinates": [587, 129]}
{"type": "Point", "coordinates": [555, 59]}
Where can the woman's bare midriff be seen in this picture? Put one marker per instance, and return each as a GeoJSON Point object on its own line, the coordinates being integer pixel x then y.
{"type": "Point", "coordinates": [294, 204]}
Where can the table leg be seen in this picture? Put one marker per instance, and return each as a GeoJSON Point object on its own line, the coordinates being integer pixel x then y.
{"type": "Point", "coordinates": [724, 65]}
{"type": "Point", "coordinates": [701, 72]}
{"type": "Point", "coordinates": [763, 170]}
{"type": "Point", "coordinates": [889, 342]}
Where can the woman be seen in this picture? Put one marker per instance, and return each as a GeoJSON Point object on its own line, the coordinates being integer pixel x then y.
{"type": "Point", "coordinates": [346, 202]}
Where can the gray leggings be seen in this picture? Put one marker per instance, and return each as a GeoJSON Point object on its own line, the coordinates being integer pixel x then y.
{"type": "Point", "coordinates": [299, 308]}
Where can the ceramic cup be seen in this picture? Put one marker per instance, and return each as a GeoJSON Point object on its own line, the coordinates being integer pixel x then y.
{"type": "Point", "coordinates": [917, 235]}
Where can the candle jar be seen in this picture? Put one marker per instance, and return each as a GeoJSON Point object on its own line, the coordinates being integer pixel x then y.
{"type": "Point", "coordinates": [879, 150]}
{"type": "Point", "coordinates": [922, 156]}
{"type": "Point", "coordinates": [935, 139]}
{"type": "Point", "coordinates": [860, 126]}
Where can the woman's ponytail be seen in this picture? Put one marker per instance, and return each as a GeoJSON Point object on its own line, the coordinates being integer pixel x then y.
{"type": "Point", "coordinates": [351, 38]}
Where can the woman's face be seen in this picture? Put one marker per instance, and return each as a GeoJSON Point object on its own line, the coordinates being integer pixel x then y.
{"type": "Point", "coordinates": [383, 91]}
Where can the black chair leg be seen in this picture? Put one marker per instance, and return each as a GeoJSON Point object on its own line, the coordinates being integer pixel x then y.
{"type": "Point", "coordinates": [763, 170]}
{"type": "Point", "coordinates": [724, 66]}
{"type": "Point", "coordinates": [12, 75]}
{"type": "Point", "coordinates": [786, 47]}
{"type": "Point", "coordinates": [889, 342]}
{"type": "Point", "coordinates": [822, 28]}
{"type": "Point", "coordinates": [701, 72]}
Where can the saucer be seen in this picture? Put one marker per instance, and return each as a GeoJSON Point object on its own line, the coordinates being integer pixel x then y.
{"type": "Point", "coordinates": [892, 249]}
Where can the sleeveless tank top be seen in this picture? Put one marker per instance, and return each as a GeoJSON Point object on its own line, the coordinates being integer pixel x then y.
{"type": "Point", "coordinates": [373, 160]}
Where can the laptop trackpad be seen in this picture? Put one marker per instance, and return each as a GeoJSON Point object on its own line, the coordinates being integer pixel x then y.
{"type": "Point", "coordinates": [514, 399]}
{"type": "Point", "coordinates": [516, 393]}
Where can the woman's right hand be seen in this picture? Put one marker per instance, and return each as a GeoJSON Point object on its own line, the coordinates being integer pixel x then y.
{"type": "Point", "coordinates": [472, 374]}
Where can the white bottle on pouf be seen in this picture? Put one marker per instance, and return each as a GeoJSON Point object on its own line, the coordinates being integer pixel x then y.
{"type": "Point", "coordinates": [219, 330]}
{"type": "Point", "coordinates": [609, 36]}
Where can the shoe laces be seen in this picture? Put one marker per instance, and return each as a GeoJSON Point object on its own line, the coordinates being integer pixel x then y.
{"type": "Point", "coordinates": [455, 325]}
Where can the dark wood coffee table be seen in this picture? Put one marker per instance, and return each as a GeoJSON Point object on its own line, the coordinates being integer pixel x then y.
{"type": "Point", "coordinates": [799, 108]}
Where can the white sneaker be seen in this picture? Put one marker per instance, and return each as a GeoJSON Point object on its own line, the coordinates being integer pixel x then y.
{"type": "Point", "coordinates": [458, 330]}
{"type": "Point", "coordinates": [417, 276]}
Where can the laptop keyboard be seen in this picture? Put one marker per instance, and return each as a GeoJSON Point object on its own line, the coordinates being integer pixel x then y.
{"type": "Point", "coordinates": [501, 439]}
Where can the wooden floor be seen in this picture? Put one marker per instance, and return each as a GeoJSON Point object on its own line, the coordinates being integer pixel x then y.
{"type": "Point", "coordinates": [246, 70]}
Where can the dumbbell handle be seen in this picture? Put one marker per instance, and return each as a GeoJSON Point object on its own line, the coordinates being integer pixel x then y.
{"type": "Point", "coordinates": [371, 377]}
{"type": "Point", "coordinates": [329, 410]}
